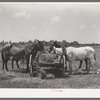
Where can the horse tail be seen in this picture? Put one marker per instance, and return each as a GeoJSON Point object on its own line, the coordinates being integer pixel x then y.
{"type": "Point", "coordinates": [2, 55]}
{"type": "Point", "coordinates": [97, 69]}
{"type": "Point", "coordinates": [95, 56]}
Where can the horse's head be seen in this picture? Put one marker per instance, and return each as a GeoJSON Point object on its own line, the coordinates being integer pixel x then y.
{"type": "Point", "coordinates": [38, 46]}
{"type": "Point", "coordinates": [52, 49]}
{"type": "Point", "coordinates": [56, 44]}
{"type": "Point", "coordinates": [53, 46]}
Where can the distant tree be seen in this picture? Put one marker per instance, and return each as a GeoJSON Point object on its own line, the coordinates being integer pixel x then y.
{"type": "Point", "coordinates": [6, 42]}
{"type": "Point", "coordinates": [2, 42]}
{"type": "Point", "coordinates": [10, 42]}
{"type": "Point", "coordinates": [60, 43]}
{"type": "Point", "coordinates": [30, 42]}
{"type": "Point", "coordinates": [65, 43]}
{"type": "Point", "coordinates": [75, 44]}
{"type": "Point", "coordinates": [51, 42]}
{"type": "Point", "coordinates": [46, 43]}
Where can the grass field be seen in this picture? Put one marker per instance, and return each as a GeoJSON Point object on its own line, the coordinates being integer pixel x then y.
{"type": "Point", "coordinates": [17, 78]}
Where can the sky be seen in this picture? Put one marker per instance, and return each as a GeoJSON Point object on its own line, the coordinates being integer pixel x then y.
{"type": "Point", "coordinates": [50, 21]}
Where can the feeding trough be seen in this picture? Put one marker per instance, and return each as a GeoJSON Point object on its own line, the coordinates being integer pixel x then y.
{"type": "Point", "coordinates": [51, 60]}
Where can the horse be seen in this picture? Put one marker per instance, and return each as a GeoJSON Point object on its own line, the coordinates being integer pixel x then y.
{"type": "Point", "coordinates": [15, 53]}
{"type": "Point", "coordinates": [79, 54]}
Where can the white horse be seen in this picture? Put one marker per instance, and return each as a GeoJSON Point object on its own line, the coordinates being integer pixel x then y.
{"type": "Point", "coordinates": [79, 54]}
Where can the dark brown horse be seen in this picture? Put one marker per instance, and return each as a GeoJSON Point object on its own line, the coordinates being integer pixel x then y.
{"type": "Point", "coordinates": [16, 53]}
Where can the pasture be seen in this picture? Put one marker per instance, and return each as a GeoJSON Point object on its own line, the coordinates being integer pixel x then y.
{"type": "Point", "coordinates": [18, 78]}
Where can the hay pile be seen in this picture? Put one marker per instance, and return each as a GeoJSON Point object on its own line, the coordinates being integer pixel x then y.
{"type": "Point", "coordinates": [42, 74]}
{"type": "Point", "coordinates": [48, 73]}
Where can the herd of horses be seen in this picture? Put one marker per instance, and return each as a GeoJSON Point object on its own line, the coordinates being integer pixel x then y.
{"type": "Point", "coordinates": [16, 53]}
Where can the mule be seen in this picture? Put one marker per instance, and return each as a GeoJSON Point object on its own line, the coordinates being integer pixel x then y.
{"type": "Point", "coordinates": [15, 53]}
{"type": "Point", "coordinates": [79, 54]}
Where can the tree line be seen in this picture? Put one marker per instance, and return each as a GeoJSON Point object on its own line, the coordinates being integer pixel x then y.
{"type": "Point", "coordinates": [48, 43]}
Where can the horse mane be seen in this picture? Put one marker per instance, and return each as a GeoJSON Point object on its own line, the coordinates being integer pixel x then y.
{"type": "Point", "coordinates": [56, 45]}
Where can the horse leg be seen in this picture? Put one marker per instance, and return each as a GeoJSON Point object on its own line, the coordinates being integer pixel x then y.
{"type": "Point", "coordinates": [70, 67]}
{"type": "Point", "coordinates": [88, 64]}
{"type": "Point", "coordinates": [12, 64]}
{"type": "Point", "coordinates": [80, 64]}
{"type": "Point", "coordinates": [27, 69]}
{"type": "Point", "coordinates": [65, 66]}
{"type": "Point", "coordinates": [6, 65]}
{"type": "Point", "coordinates": [3, 65]}
{"type": "Point", "coordinates": [17, 64]}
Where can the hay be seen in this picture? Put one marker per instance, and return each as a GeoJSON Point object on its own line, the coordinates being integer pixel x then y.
{"type": "Point", "coordinates": [34, 74]}
{"type": "Point", "coordinates": [43, 74]}
{"type": "Point", "coordinates": [50, 76]}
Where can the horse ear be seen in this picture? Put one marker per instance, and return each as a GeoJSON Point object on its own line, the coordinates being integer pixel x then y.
{"type": "Point", "coordinates": [55, 42]}
{"type": "Point", "coordinates": [43, 42]}
{"type": "Point", "coordinates": [38, 41]}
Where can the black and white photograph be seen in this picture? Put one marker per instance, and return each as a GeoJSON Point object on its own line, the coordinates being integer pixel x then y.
{"type": "Point", "coordinates": [50, 45]}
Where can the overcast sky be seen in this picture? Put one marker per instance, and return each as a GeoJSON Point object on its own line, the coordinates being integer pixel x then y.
{"type": "Point", "coordinates": [50, 21]}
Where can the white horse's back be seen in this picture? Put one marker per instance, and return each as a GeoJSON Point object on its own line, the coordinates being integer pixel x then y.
{"type": "Point", "coordinates": [79, 49]}
{"type": "Point", "coordinates": [80, 53]}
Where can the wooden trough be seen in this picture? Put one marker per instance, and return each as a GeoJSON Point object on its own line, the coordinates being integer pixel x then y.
{"type": "Point", "coordinates": [51, 60]}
